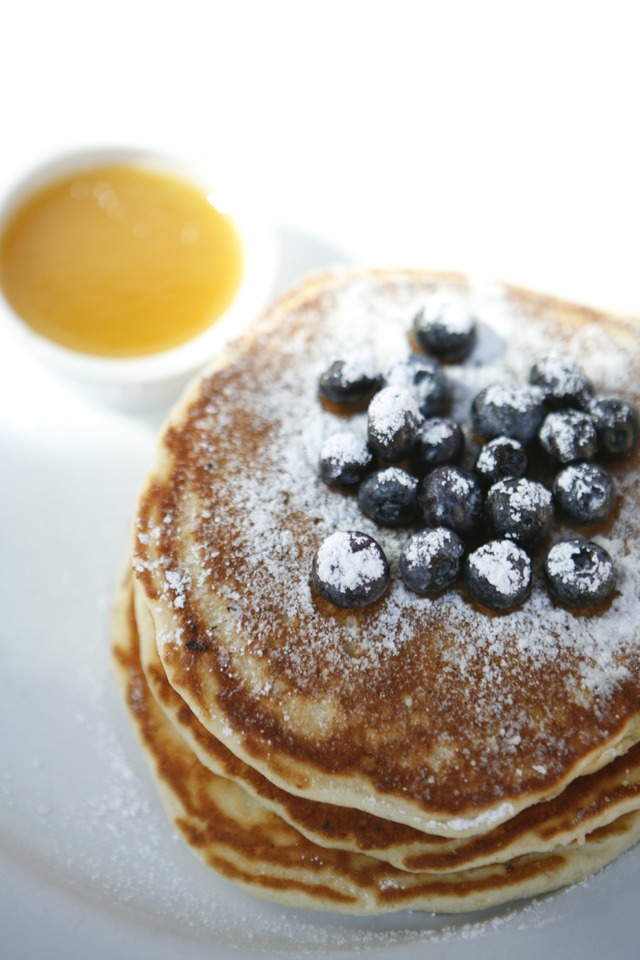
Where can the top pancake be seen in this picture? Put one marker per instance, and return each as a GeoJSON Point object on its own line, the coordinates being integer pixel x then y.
{"type": "Point", "coordinates": [432, 713]}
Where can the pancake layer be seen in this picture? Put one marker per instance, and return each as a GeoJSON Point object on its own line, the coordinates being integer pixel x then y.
{"type": "Point", "coordinates": [253, 847]}
{"type": "Point", "coordinates": [431, 713]}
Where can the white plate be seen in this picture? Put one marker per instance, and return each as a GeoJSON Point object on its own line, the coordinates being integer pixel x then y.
{"type": "Point", "coordinates": [89, 866]}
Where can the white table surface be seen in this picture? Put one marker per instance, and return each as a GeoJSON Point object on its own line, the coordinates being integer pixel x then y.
{"type": "Point", "coordinates": [496, 138]}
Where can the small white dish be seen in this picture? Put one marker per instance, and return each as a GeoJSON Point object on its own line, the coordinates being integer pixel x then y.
{"type": "Point", "coordinates": [116, 376]}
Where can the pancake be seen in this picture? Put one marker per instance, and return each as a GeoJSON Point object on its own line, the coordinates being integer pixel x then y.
{"type": "Point", "coordinates": [254, 848]}
{"type": "Point", "coordinates": [432, 713]}
{"type": "Point", "coordinates": [587, 804]}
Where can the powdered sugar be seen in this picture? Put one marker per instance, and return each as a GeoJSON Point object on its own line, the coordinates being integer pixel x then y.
{"type": "Point", "coordinates": [435, 430]}
{"type": "Point", "coordinates": [356, 314]}
{"type": "Point", "coordinates": [573, 480]}
{"type": "Point", "coordinates": [360, 364]}
{"type": "Point", "coordinates": [510, 662]}
{"type": "Point", "coordinates": [568, 435]}
{"type": "Point", "coordinates": [389, 411]}
{"type": "Point", "coordinates": [510, 502]}
{"type": "Point", "coordinates": [565, 556]}
{"type": "Point", "coordinates": [423, 549]}
{"type": "Point", "coordinates": [499, 564]}
{"type": "Point", "coordinates": [178, 583]}
{"type": "Point", "coordinates": [511, 396]}
{"type": "Point", "coordinates": [343, 447]}
{"type": "Point", "coordinates": [348, 561]}
{"type": "Point", "coordinates": [452, 312]}
{"type": "Point", "coordinates": [459, 484]}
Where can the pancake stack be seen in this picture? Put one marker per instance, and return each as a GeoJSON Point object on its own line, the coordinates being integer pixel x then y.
{"type": "Point", "coordinates": [419, 753]}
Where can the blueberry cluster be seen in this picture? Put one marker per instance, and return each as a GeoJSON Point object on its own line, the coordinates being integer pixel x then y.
{"type": "Point", "coordinates": [481, 520]}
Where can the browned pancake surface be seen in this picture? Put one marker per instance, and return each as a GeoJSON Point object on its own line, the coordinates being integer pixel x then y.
{"type": "Point", "coordinates": [588, 803]}
{"type": "Point", "coordinates": [430, 712]}
{"type": "Point", "coordinates": [251, 846]}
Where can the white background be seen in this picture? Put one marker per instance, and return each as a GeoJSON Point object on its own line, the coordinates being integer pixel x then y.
{"type": "Point", "coordinates": [492, 137]}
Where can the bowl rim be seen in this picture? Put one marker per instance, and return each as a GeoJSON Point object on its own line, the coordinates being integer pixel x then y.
{"type": "Point", "coordinates": [256, 238]}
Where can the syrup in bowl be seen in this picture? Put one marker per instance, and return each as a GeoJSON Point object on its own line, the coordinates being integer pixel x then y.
{"type": "Point", "coordinates": [126, 260]}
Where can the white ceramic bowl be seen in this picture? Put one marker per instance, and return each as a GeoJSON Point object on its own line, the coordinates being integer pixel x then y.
{"type": "Point", "coordinates": [132, 375]}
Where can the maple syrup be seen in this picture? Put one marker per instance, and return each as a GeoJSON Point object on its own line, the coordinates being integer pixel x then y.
{"type": "Point", "coordinates": [119, 261]}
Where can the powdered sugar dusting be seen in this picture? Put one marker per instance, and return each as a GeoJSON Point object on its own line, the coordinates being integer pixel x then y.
{"type": "Point", "coordinates": [453, 312]}
{"type": "Point", "coordinates": [523, 495]}
{"type": "Point", "coordinates": [348, 561]}
{"type": "Point", "coordinates": [497, 563]}
{"type": "Point", "coordinates": [424, 548]}
{"type": "Point", "coordinates": [388, 411]}
{"type": "Point", "coordinates": [558, 434]}
{"type": "Point", "coordinates": [512, 396]}
{"type": "Point", "coordinates": [343, 447]}
{"type": "Point", "coordinates": [510, 662]}
{"type": "Point", "coordinates": [562, 561]}
{"type": "Point", "coordinates": [360, 364]}
{"type": "Point", "coordinates": [435, 431]}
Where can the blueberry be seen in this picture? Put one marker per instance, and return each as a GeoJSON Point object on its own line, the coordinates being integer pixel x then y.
{"type": "Point", "coordinates": [350, 569]}
{"type": "Point", "coordinates": [498, 574]}
{"type": "Point", "coordinates": [351, 380]}
{"type": "Point", "coordinates": [579, 572]}
{"type": "Point", "coordinates": [393, 419]}
{"type": "Point", "coordinates": [584, 492]}
{"type": "Point", "coordinates": [450, 497]}
{"type": "Point", "coordinates": [499, 459]}
{"type": "Point", "coordinates": [507, 411]}
{"type": "Point", "coordinates": [430, 560]}
{"type": "Point", "coordinates": [389, 496]}
{"type": "Point", "coordinates": [563, 382]}
{"type": "Point", "coordinates": [344, 460]}
{"type": "Point", "coordinates": [425, 378]}
{"type": "Point", "coordinates": [439, 440]}
{"type": "Point", "coordinates": [520, 510]}
{"type": "Point", "coordinates": [445, 327]}
{"type": "Point", "coordinates": [569, 435]}
{"type": "Point", "coordinates": [616, 423]}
